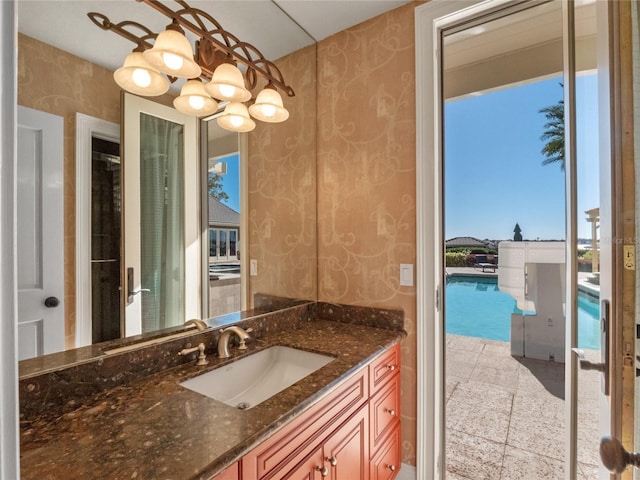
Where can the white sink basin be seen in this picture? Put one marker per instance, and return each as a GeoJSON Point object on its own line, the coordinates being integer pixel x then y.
{"type": "Point", "coordinates": [250, 380]}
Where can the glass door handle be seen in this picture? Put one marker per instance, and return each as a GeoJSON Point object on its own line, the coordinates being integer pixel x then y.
{"type": "Point", "coordinates": [130, 285]}
{"type": "Point", "coordinates": [586, 364]}
{"type": "Point", "coordinates": [614, 457]}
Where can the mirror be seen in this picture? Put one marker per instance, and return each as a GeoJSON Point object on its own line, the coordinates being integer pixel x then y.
{"type": "Point", "coordinates": [57, 73]}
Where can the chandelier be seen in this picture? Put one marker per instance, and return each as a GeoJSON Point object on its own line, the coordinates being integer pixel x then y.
{"type": "Point", "coordinates": [214, 83]}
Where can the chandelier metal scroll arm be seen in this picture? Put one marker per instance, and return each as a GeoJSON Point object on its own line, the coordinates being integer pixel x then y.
{"type": "Point", "coordinates": [125, 29]}
{"type": "Point", "coordinates": [228, 44]}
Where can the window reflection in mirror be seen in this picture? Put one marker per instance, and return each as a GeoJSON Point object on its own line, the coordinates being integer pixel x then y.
{"type": "Point", "coordinates": [223, 202]}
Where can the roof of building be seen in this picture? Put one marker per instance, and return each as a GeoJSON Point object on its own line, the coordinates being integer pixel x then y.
{"type": "Point", "coordinates": [220, 214]}
{"type": "Point", "coordinates": [466, 242]}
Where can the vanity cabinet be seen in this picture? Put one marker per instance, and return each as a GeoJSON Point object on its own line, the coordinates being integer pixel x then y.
{"type": "Point", "coordinates": [343, 456]}
{"type": "Point", "coordinates": [352, 434]}
{"type": "Point", "coordinates": [384, 415]}
{"type": "Point", "coordinates": [295, 444]}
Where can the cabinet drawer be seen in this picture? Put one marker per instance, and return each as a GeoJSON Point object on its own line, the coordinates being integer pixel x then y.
{"type": "Point", "coordinates": [386, 462]}
{"type": "Point", "coordinates": [383, 368]}
{"type": "Point", "coordinates": [298, 439]}
{"type": "Point", "coordinates": [384, 410]}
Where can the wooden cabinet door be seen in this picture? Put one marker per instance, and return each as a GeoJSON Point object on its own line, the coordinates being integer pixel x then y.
{"type": "Point", "coordinates": [346, 452]}
{"type": "Point", "coordinates": [385, 464]}
{"type": "Point", "coordinates": [311, 468]}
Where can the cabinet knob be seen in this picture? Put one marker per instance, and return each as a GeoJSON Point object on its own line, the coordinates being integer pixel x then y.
{"type": "Point", "coordinates": [391, 367]}
{"type": "Point", "coordinates": [324, 471]}
{"type": "Point", "coordinates": [333, 461]}
{"type": "Point", "coordinates": [391, 467]}
{"type": "Point", "coordinates": [391, 411]}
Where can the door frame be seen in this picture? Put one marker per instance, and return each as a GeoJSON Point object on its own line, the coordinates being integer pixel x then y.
{"type": "Point", "coordinates": [429, 231]}
{"type": "Point", "coordinates": [430, 18]}
{"type": "Point", "coordinates": [9, 441]}
{"type": "Point", "coordinates": [133, 107]}
{"type": "Point", "coordinates": [87, 127]}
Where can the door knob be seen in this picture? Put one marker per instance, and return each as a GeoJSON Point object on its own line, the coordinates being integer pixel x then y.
{"type": "Point", "coordinates": [614, 457]}
{"type": "Point", "coordinates": [51, 302]}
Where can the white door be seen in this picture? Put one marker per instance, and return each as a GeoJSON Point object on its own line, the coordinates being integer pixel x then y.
{"type": "Point", "coordinates": [40, 263]}
{"type": "Point", "coordinates": [162, 238]}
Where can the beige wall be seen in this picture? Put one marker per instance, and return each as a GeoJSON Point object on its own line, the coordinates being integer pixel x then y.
{"type": "Point", "coordinates": [282, 189]}
{"type": "Point", "coordinates": [366, 177]}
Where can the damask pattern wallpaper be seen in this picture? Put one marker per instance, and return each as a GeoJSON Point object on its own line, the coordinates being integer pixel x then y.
{"type": "Point", "coordinates": [282, 189]}
{"type": "Point", "coordinates": [366, 177]}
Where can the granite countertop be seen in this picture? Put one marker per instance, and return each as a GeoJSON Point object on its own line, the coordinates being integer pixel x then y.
{"type": "Point", "coordinates": [153, 428]}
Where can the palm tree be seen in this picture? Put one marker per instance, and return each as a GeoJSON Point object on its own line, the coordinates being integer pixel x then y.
{"type": "Point", "coordinates": [216, 188]}
{"type": "Point", "coordinates": [554, 134]}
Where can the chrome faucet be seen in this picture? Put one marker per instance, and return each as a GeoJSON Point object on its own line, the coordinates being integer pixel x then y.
{"type": "Point", "coordinates": [202, 358]}
{"type": "Point", "coordinates": [225, 336]}
{"type": "Point", "coordinates": [200, 325]}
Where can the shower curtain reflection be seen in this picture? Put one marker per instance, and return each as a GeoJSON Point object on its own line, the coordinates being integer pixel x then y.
{"type": "Point", "coordinates": [162, 222]}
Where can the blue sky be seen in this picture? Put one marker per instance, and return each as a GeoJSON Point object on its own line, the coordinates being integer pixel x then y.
{"type": "Point", "coordinates": [494, 175]}
{"type": "Point", "coordinates": [231, 181]}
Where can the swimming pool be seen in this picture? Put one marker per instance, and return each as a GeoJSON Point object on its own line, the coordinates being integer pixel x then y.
{"type": "Point", "coordinates": [476, 308]}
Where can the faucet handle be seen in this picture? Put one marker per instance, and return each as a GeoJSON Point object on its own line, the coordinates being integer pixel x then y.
{"type": "Point", "coordinates": [242, 345]}
{"type": "Point", "coordinates": [202, 357]}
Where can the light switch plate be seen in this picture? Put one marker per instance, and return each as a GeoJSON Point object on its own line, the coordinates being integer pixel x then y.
{"type": "Point", "coordinates": [253, 267]}
{"type": "Point", "coordinates": [406, 274]}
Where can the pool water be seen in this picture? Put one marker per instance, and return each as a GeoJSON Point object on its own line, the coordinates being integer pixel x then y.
{"type": "Point", "coordinates": [476, 308]}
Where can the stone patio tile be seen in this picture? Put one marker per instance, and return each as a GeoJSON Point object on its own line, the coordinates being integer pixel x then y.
{"type": "Point", "coordinates": [534, 435]}
{"type": "Point", "coordinates": [473, 457]}
{"type": "Point", "coordinates": [461, 370]}
{"type": "Point", "coordinates": [462, 356]}
{"type": "Point", "coordinates": [587, 471]}
{"type": "Point", "coordinates": [478, 420]}
{"type": "Point", "coordinates": [501, 362]}
{"type": "Point", "coordinates": [506, 379]}
{"type": "Point", "coordinates": [547, 408]}
{"type": "Point", "coordinates": [497, 348]}
{"type": "Point", "coordinates": [472, 393]}
{"type": "Point", "coordinates": [543, 384]}
{"type": "Point", "coordinates": [455, 476]}
{"type": "Point", "coordinates": [451, 385]}
{"type": "Point", "coordinates": [493, 391]}
{"type": "Point", "coordinates": [522, 465]}
{"type": "Point", "coordinates": [467, 344]}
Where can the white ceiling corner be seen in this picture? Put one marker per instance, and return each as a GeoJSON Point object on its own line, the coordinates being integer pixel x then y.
{"type": "Point", "coordinates": [264, 23]}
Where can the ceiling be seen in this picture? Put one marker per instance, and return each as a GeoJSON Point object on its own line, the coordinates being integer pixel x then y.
{"type": "Point", "coordinates": [266, 24]}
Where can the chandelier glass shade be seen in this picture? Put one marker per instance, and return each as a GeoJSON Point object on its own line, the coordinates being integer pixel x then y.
{"type": "Point", "coordinates": [218, 54]}
{"type": "Point", "coordinates": [227, 83]}
{"type": "Point", "coordinates": [268, 106]}
{"type": "Point", "coordinates": [172, 54]}
{"type": "Point", "coordinates": [137, 76]}
{"type": "Point", "coordinates": [236, 118]}
{"type": "Point", "coordinates": [194, 100]}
